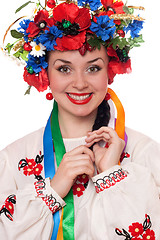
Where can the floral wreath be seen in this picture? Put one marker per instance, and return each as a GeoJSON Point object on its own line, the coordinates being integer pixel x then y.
{"type": "Point", "coordinates": [66, 26]}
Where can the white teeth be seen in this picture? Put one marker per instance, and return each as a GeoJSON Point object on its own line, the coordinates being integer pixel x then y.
{"type": "Point", "coordinates": [75, 97]}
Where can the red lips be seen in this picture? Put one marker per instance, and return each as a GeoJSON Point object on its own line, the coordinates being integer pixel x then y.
{"type": "Point", "coordinates": [80, 101]}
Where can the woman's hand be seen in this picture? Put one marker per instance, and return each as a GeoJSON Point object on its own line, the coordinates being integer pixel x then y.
{"type": "Point", "coordinates": [105, 158]}
{"type": "Point", "coordinates": [76, 162]}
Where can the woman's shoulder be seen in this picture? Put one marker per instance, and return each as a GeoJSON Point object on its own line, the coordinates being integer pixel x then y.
{"type": "Point", "coordinates": [135, 137]}
{"type": "Point", "coordinates": [141, 147]}
{"type": "Point", "coordinates": [28, 143]}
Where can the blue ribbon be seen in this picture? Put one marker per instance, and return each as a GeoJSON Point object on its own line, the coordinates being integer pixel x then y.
{"type": "Point", "coordinates": [49, 168]}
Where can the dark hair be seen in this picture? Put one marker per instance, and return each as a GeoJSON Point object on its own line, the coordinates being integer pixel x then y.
{"type": "Point", "coordinates": [103, 116]}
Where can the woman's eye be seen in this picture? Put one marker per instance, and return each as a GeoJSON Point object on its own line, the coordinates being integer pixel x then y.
{"type": "Point", "coordinates": [64, 69]}
{"type": "Point", "coordinates": [93, 69]}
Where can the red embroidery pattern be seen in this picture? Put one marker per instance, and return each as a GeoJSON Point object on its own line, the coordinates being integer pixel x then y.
{"type": "Point", "coordinates": [138, 231]}
{"type": "Point", "coordinates": [49, 200]}
{"type": "Point", "coordinates": [108, 181]}
{"type": "Point", "coordinates": [32, 166]}
{"type": "Point", "coordinates": [124, 155]}
{"type": "Point", "coordinates": [80, 185]}
{"type": "Point", "coordinates": [78, 189]}
{"type": "Point", "coordinates": [8, 207]}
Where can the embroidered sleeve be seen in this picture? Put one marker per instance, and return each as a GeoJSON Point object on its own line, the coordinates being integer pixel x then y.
{"type": "Point", "coordinates": [108, 179]}
{"type": "Point", "coordinates": [48, 195]}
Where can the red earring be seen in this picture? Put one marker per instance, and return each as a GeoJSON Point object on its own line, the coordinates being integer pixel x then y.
{"type": "Point", "coordinates": [49, 96]}
{"type": "Point", "coordinates": [107, 97]}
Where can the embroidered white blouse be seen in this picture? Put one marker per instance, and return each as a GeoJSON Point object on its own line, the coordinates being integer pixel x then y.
{"type": "Point", "coordinates": [120, 203]}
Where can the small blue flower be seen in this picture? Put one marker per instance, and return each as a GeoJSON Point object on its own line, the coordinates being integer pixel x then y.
{"type": "Point", "coordinates": [36, 63]}
{"type": "Point", "coordinates": [94, 4]}
{"type": "Point", "coordinates": [48, 39]}
{"type": "Point", "coordinates": [104, 28]}
{"type": "Point", "coordinates": [23, 27]}
{"type": "Point", "coordinates": [134, 28]}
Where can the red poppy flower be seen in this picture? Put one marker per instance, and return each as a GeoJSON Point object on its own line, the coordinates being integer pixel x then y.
{"type": "Point", "coordinates": [111, 52]}
{"type": "Point", "coordinates": [37, 169]}
{"type": "Point", "coordinates": [149, 234]}
{"type": "Point", "coordinates": [115, 66]}
{"type": "Point", "coordinates": [40, 82]}
{"type": "Point", "coordinates": [83, 178]}
{"type": "Point", "coordinates": [10, 207]}
{"type": "Point", "coordinates": [118, 67]}
{"type": "Point", "coordinates": [136, 229]}
{"type": "Point", "coordinates": [78, 189]}
{"type": "Point", "coordinates": [113, 7]}
{"type": "Point", "coordinates": [51, 3]}
{"type": "Point", "coordinates": [27, 171]}
{"type": "Point", "coordinates": [41, 21]}
{"type": "Point", "coordinates": [73, 21]}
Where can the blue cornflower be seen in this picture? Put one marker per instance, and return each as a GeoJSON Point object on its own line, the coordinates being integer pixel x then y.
{"type": "Point", "coordinates": [134, 28]}
{"type": "Point", "coordinates": [23, 27]}
{"type": "Point", "coordinates": [104, 28]}
{"type": "Point", "coordinates": [48, 39]}
{"type": "Point", "coordinates": [94, 4]}
{"type": "Point", "coordinates": [36, 63]}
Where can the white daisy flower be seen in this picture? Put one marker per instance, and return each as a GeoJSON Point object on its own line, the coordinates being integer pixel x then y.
{"type": "Point", "coordinates": [37, 50]}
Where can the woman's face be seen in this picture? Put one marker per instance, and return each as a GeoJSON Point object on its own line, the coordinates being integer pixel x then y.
{"type": "Point", "coordinates": [78, 83]}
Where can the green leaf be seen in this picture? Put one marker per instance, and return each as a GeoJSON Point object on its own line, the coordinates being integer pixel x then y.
{"type": "Point", "coordinates": [126, 9]}
{"type": "Point", "coordinates": [95, 42]}
{"type": "Point", "coordinates": [28, 90]}
{"type": "Point", "coordinates": [17, 54]}
{"type": "Point", "coordinates": [24, 55]}
{"type": "Point", "coordinates": [21, 53]}
{"type": "Point", "coordinates": [16, 34]}
{"type": "Point", "coordinates": [135, 41]}
{"type": "Point", "coordinates": [9, 47]}
{"type": "Point", "coordinates": [120, 42]}
{"type": "Point", "coordinates": [125, 23]}
{"type": "Point", "coordinates": [24, 5]}
{"type": "Point", "coordinates": [140, 39]}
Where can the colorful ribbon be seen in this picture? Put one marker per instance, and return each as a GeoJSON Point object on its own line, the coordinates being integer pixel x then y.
{"type": "Point", "coordinates": [64, 228]}
{"type": "Point", "coordinates": [120, 121]}
{"type": "Point", "coordinates": [68, 211]}
{"type": "Point", "coordinates": [49, 168]}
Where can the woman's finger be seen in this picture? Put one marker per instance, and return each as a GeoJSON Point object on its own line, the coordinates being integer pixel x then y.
{"type": "Point", "coordinates": [81, 150]}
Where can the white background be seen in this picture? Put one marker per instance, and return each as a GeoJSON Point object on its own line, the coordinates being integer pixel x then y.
{"type": "Point", "coordinates": [139, 91]}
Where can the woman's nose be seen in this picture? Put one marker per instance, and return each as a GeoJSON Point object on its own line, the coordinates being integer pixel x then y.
{"type": "Point", "coordinates": [80, 82]}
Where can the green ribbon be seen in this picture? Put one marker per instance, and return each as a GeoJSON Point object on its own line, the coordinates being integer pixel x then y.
{"type": "Point", "coordinates": [68, 211]}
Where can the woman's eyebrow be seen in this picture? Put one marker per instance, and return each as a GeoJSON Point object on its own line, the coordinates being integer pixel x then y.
{"type": "Point", "coordinates": [68, 62]}
{"type": "Point", "coordinates": [62, 60]}
{"type": "Point", "coordinates": [94, 60]}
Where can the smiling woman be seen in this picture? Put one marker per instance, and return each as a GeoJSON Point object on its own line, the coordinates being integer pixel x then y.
{"type": "Point", "coordinates": [78, 86]}
{"type": "Point", "coordinates": [68, 180]}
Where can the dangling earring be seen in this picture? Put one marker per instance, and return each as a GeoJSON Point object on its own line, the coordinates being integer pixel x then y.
{"type": "Point", "coordinates": [49, 96]}
{"type": "Point", "coordinates": [107, 97]}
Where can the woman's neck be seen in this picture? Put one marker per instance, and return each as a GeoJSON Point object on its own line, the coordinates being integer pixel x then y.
{"type": "Point", "coordinates": [74, 126]}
